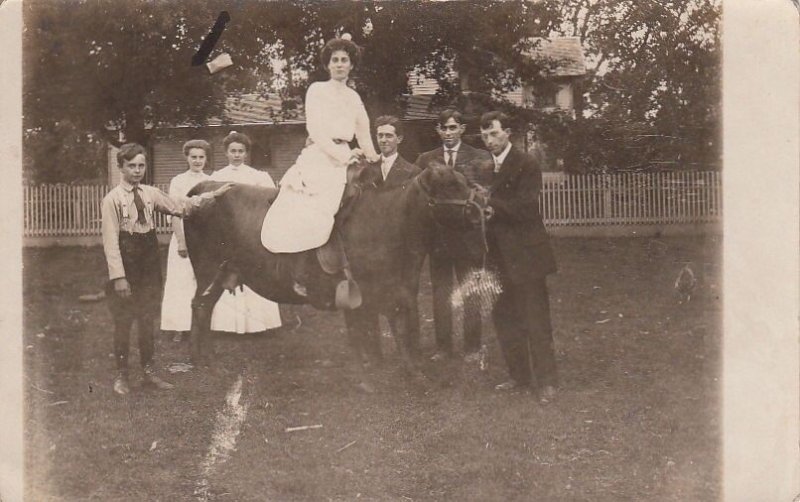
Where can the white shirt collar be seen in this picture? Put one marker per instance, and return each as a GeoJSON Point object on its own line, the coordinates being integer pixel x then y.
{"type": "Point", "coordinates": [454, 149]}
{"type": "Point", "coordinates": [390, 159]}
{"type": "Point", "coordinates": [128, 187]}
{"type": "Point", "coordinates": [387, 163]}
{"type": "Point", "coordinates": [498, 160]}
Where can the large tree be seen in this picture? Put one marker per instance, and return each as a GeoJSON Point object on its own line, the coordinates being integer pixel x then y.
{"type": "Point", "coordinates": [652, 96]}
{"type": "Point", "coordinates": [101, 70]}
{"type": "Point", "coordinates": [481, 39]}
{"type": "Point", "coordinates": [94, 68]}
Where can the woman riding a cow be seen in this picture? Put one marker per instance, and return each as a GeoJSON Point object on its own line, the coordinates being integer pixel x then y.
{"type": "Point", "coordinates": [302, 216]}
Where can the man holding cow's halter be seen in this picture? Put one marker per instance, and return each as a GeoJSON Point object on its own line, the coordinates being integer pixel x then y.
{"type": "Point", "coordinates": [519, 249]}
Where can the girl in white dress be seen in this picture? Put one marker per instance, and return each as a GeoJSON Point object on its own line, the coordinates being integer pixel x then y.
{"type": "Point", "coordinates": [243, 311]}
{"type": "Point", "coordinates": [301, 217]}
{"type": "Point", "coordinates": [176, 306]}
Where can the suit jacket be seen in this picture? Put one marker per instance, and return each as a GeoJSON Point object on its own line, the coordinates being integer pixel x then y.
{"type": "Point", "coordinates": [476, 165]}
{"type": "Point", "coordinates": [519, 243]}
{"type": "Point", "coordinates": [401, 171]}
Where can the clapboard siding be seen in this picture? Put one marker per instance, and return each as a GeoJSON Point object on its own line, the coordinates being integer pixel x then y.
{"type": "Point", "coordinates": [286, 144]}
{"type": "Point", "coordinates": [168, 161]}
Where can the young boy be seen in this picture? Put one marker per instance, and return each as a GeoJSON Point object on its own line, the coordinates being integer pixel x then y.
{"type": "Point", "coordinates": [131, 249]}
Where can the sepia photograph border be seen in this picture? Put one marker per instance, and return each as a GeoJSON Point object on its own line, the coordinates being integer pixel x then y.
{"type": "Point", "coordinates": [761, 355]}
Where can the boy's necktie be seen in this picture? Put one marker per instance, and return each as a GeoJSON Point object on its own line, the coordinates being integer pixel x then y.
{"type": "Point", "coordinates": [139, 203]}
{"type": "Point", "coordinates": [450, 158]}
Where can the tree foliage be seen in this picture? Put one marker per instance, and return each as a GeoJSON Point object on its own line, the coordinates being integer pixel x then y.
{"type": "Point", "coordinates": [652, 96]}
{"type": "Point", "coordinates": [93, 68]}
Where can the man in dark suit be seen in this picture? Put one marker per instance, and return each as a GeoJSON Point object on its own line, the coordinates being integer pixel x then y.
{"type": "Point", "coordinates": [394, 169]}
{"type": "Point", "coordinates": [519, 249]}
{"type": "Point", "coordinates": [389, 172]}
{"type": "Point", "coordinates": [447, 252]}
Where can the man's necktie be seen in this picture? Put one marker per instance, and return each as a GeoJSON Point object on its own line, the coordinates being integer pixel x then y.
{"type": "Point", "coordinates": [139, 203]}
{"type": "Point", "coordinates": [450, 158]}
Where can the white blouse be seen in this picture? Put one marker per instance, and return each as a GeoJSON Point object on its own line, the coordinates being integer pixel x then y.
{"type": "Point", "coordinates": [180, 185]}
{"type": "Point", "coordinates": [335, 111]}
{"type": "Point", "coordinates": [244, 174]}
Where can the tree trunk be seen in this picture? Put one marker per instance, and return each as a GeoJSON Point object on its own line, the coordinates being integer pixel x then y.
{"type": "Point", "coordinates": [134, 130]}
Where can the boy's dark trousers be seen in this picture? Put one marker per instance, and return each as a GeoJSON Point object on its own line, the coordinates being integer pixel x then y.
{"type": "Point", "coordinates": [143, 272]}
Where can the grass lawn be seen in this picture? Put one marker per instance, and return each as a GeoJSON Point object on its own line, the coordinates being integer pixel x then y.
{"type": "Point", "coordinates": [637, 417]}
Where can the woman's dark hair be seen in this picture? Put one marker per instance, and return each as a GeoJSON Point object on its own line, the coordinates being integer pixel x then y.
{"type": "Point", "coordinates": [237, 137]}
{"type": "Point", "coordinates": [197, 143]}
{"type": "Point", "coordinates": [128, 151]}
{"type": "Point", "coordinates": [340, 44]}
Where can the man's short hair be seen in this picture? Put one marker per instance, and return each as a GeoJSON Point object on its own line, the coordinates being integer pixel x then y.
{"type": "Point", "coordinates": [489, 117]}
{"type": "Point", "coordinates": [451, 113]}
{"type": "Point", "coordinates": [392, 121]}
{"type": "Point", "coordinates": [128, 151]}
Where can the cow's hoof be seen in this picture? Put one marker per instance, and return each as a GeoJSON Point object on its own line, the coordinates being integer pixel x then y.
{"type": "Point", "coordinates": [366, 388]}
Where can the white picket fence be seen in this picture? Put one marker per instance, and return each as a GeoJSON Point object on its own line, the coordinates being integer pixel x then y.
{"type": "Point", "coordinates": [633, 199]}
{"type": "Point", "coordinates": [566, 201]}
{"type": "Point", "coordinates": [68, 210]}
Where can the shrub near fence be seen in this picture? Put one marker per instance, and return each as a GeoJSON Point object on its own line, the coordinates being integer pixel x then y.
{"type": "Point", "coordinates": [578, 200]}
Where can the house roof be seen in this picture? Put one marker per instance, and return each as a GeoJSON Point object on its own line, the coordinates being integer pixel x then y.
{"type": "Point", "coordinates": [254, 109]}
{"type": "Point", "coordinates": [566, 52]}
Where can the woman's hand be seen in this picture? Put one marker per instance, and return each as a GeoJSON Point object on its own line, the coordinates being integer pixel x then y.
{"type": "Point", "coordinates": [183, 253]}
{"type": "Point", "coordinates": [356, 156]}
{"type": "Point", "coordinates": [221, 190]}
{"type": "Point", "coordinates": [373, 157]}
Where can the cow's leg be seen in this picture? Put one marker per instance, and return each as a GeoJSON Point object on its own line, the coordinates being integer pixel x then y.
{"type": "Point", "coordinates": [404, 328]}
{"type": "Point", "coordinates": [371, 337]}
{"type": "Point", "coordinates": [206, 296]}
{"type": "Point", "coordinates": [358, 322]}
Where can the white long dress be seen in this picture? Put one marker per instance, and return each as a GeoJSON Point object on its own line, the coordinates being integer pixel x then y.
{"type": "Point", "coordinates": [301, 217]}
{"type": "Point", "coordinates": [176, 306]}
{"type": "Point", "coordinates": [244, 311]}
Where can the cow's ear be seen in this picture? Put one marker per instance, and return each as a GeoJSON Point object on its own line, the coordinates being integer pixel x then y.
{"type": "Point", "coordinates": [425, 179]}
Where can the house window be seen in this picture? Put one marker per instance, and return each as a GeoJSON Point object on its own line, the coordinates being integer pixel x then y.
{"type": "Point", "coordinates": [540, 98]}
{"type": "Point", "coordinates": [546, 100]}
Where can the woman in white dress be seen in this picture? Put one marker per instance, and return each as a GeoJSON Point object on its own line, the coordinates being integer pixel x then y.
{"type": "Point", "coordinates": [243, 311]}
{"type": "Point", "coordinates": [176, 306]}
{"type": "Point", "coordinates": [301, 218]}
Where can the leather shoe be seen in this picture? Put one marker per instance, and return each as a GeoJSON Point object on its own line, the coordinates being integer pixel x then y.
{"type": "Point", "coordinates": [440, 355]}
{"type": "Point", "coordinates": [151, 378]}
{"type": "Point", "coordinates": [547, 394]}
{"type": "Point", "coordinates": [121, 385]}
